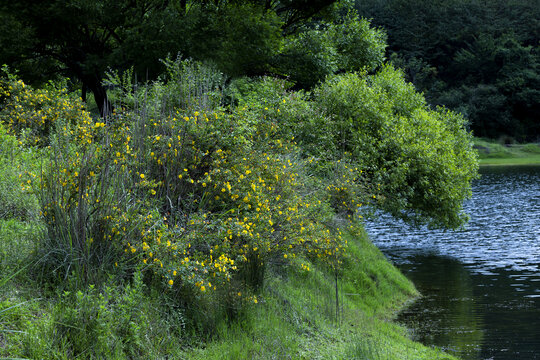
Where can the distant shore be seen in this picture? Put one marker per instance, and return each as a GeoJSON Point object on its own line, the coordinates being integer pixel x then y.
{"type": "Point", "coordinates": [493, 153]}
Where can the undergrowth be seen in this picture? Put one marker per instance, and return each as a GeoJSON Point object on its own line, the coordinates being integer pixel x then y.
{"type": "Point", "coordinates": [181, 227]}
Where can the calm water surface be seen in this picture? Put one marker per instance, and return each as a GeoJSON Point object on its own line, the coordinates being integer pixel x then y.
{"type": "Point", "coordinates": [481, 286]}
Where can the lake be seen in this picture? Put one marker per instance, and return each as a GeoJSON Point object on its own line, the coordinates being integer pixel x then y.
{"type": "Point", "coordinates": [481, 285]}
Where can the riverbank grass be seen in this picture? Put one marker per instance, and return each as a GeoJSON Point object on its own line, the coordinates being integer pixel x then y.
{"type": "Point", "coordinates": [493, 153]}
{"type": "Point", "coordinates": [296, 317]}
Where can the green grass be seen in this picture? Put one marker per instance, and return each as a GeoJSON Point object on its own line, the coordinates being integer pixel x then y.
{"type": "Point", "coordinates": [492, 153]}
{"type": "Point", "coordinates": [296, 317]}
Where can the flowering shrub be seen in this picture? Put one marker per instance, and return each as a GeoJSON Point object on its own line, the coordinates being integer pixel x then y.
{"type": "Point", "coordinates": [201, 199]}
{"type": "Point", "coordinates": [32, 114]}
{"type": "Point", "coordinates": [227, 205]}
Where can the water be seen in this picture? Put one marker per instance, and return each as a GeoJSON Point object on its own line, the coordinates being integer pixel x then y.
{"type": "Point", "coordinates": [481, 286]}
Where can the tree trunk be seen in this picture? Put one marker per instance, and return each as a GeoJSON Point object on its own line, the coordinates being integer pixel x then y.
{"type": "Point", "coordinates": [84, 90]}
{"type": "Point", "coordinates": [102, 101]}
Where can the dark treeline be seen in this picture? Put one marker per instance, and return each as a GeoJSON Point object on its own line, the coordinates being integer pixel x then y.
{"type": "Point", "coordinates": [477, 57]}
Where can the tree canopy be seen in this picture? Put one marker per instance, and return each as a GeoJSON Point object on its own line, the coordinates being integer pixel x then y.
{"type": "Point", "coordinates": [82, 39]}
{"type": "Point", "coordinates": [479, 58]}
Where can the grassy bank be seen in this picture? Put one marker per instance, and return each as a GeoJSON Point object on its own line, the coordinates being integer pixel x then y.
{"type": "Point", "coordinates": [294, 318]}
{"type": "Point", "coordinates": [297, 317]}
{"type": "Point", "coordinates": [493, 153]}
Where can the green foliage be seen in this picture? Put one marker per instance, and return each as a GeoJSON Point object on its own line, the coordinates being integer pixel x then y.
{"type": "Point", "coordinates": [503, 152]}
{"type": "Point", "coordinates": [190, 86]}
{"type": "Point", "coordinates": [18, 165]}
{"type": "Point", "coordinates": [531, 148]}
{"type": "Point", "coordinates": [206, 207]}
{"type": "Point", "coordinates": [422, 160]}
{"type": "Point", "coordinates": [296, 317]}
{"type": "Point", "coordinates": [197, 199]}
{"type": "Point", "coordinates": [32, 114]}
{"type": "Point", "coordinates": [477, 58]}
{"type": "Point", "coordinates": [294, 116]}
{"type": "Point", "coordinates": [16, 251]}
{"type": "Point", "coordinates": [240, 39]}
{"type": "Point", "coordinates": [205, 204]}
{"type": "Point", "coordinates": [308, 57]}
{"type": "Point", "coordinates": [104, 324]}
{"type": "Point", "coordinates": [349, 44]}
{"type": "Point", "coordinates": [82, 39]}
{"type": "Point", "coordinates": [121, 321]}
{"type": "Point", "coordinates": [502, 86]}
{"type": "Point", "coordinates": [360, 46]}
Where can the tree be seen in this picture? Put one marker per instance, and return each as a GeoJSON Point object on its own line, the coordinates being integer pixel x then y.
{"type": "Point", "coordinates": [473, 56]}
{"type": "Point", "coordinates": [83, 38]}
{"type": "Point", "coordinates": [345, 44]}
{"type": "Point", "coordinates": [421, 160]}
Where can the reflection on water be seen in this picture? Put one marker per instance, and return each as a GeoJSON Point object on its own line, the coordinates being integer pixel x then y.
{"type": "Point", "coordinates": [481, 286]}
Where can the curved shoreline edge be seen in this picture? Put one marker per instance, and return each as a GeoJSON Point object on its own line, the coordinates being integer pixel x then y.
{"type": "Point", "coordinates": [297, 315]}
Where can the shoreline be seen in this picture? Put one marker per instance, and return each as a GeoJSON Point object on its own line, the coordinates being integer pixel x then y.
{"type": "Point", "coordinates": [528, 161]}
{"type": "Point", "coordinates": [372, 293]}
{"type": "Point", "coordinates": [493, 153]}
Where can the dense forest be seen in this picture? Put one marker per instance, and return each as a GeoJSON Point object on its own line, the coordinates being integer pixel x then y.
{"type": "Point", "coordinates": [480, 58]}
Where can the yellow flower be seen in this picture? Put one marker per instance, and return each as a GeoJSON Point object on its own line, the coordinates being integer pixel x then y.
{"type": "Point", "coordinates": [142, 176]}
{"type": "Point", "coordinates": [171, 282]}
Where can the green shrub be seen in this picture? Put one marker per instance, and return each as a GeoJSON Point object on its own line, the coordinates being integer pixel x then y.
{"type": "Point", "coordinates": [200, 201]}
{"type": "Point", "coordinates": [421, 160]}
{"type": "Point", "coordinates": [360, 47]}
{"type": "Point", "coordinates": [114, 322]}
{"type": "Point", "coordinates": [31, 114]}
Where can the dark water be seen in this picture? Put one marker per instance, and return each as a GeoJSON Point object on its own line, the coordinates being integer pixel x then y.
{"type": "Point", "coordinates": [481, 286]}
